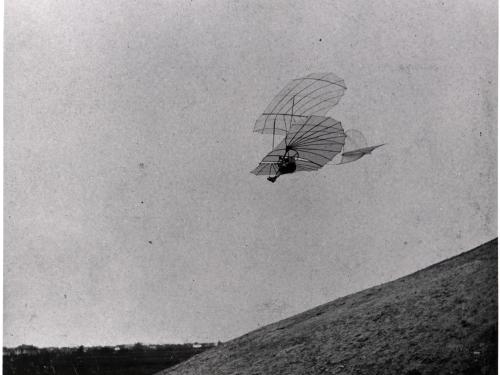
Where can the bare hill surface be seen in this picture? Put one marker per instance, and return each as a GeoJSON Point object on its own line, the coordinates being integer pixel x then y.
{"type": "Point", "coordinates": [440, 320]}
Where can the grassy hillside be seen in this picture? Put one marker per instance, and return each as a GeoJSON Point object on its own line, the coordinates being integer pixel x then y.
{"type": "Point", "coordinates": [440, 320]}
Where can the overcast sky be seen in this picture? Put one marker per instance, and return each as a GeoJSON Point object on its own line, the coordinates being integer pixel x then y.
{"type": "Point", "coordinates": [130, 212]}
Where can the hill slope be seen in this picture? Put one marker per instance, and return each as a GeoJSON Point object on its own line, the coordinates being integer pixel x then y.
{"type": "Point", "coordinates": [439, 320]}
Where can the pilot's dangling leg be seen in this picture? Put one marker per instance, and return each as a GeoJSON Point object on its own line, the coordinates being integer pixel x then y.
{"type": "Point", "coordinates": [272, 179]}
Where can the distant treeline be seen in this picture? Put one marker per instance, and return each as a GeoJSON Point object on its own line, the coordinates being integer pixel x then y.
{"type": "Point", "coordinates": [137, 359]}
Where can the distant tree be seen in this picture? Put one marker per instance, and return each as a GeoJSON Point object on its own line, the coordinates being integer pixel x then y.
{"type": "Point", "coordinates": [139, 347]}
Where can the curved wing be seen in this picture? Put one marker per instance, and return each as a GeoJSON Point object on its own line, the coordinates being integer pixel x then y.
{"type": "Point", "coordinates": [314, 94]}
{"type": "Point", "coordinates": [315, 141]}
{"type": "Point", "coordinates": [269, 165]}
{"type": "Point", "coordinates": [265, 168]}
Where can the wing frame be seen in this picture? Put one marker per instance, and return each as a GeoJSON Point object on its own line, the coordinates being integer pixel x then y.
{"type": "Point", "coordinates": [315, 142]}
{"type": "Point", "coordinates": [312, 95]}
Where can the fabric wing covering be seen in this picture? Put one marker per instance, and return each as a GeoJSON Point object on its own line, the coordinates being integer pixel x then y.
{"type": "Point", "coordinates": [350, 156]}
{"type": "Point", "coordinates": [314, 94]}
{"type": "Point", "coordinates": [355, 146]}
{"type": "Point", "coordinates": [355, 140]}
{"type": "Point", "coordinates": [314, 141]}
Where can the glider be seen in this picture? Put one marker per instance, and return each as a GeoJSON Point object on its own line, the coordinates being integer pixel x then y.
{"type": "Point", "coordinates": [311, 139]}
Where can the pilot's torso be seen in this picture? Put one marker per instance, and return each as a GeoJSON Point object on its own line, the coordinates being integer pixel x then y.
{"type": "Point", "coordinates": [288, 165]}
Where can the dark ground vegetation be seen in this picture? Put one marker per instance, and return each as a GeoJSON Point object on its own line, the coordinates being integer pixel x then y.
{"type": "Point", "coordinates": [135, 359]}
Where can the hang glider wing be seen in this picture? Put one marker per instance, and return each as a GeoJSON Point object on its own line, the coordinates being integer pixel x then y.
{"type": "Point", "coordinates": [314, 94]}
{"type": "Point", "coordinates": [314, 141]}
{"type": "Point", "coordinates": [317, 140]}
{"type": "Point", "coordinates": [265, 169]}
{"type": "Point", "coordinates": [269, 165]}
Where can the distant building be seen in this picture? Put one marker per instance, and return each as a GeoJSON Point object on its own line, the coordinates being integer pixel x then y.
{"type": "Point", "coordinates": [25, 349]}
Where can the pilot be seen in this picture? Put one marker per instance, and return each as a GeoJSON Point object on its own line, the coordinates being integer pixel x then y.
{"type": "Point", "coordinates": [286, 165]}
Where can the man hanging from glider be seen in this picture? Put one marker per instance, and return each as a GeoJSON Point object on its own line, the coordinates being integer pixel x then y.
{"type": "Point", "coordinates": [298, 113]}
{"type": "Point", "coordinates": [286, 164]}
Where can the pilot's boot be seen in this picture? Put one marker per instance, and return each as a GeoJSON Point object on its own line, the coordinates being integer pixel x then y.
{"type": "Point", "coordinates": [272, 179]}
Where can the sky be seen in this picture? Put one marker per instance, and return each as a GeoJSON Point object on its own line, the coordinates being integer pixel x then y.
{"type": "Point", "coordinates": [130, 214]}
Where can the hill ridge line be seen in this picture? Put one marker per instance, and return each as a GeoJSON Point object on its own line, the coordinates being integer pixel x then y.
{"type": "Point", "coordinates": [376, 287]}
{"type": "Point", "coordinates": [440, 319]}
